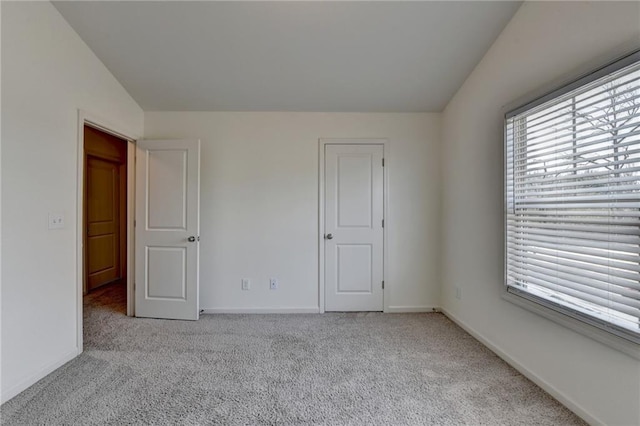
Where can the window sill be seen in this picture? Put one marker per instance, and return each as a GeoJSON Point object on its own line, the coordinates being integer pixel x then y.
{"type": "Point", "coordinates": [621, 344]}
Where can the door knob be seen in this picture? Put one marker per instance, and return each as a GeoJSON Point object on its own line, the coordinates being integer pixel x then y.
{"type": "Point", "coordinates": [191, 239]}
{"type": "Point", "coordinates": [329, 236]}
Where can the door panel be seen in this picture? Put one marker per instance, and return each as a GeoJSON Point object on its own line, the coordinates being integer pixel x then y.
{"type": "Point", "coordinates": [353, 218]}
{"type": "Point", "coordinates": [103, 232]}
{"type": "Point", "coordinates": [354, 268]}
{"type": "Point", "coordinates": [103, 249]}
{"type": "Point", "coordinates": [354, 191]}
{"type": "Point", "coordinates": [166, 276]}
{"type": "Point", "coordinates": [167, 215]}
{"type": "Point", "coordinates": [167, 186]}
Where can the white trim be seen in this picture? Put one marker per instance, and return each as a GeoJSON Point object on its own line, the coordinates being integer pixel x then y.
{"type": "Point", "coordinates": [309, 310]}
{"type": "Point", "coordinates": [131, 234]}
{"type": "Point", "coordinates": [85, 117]}
{"type": "Point", "coordinates": [106, 126]}
{"type": "Point", "coordinates": [38, 375]}
{"type": "Point", "coordinates": [320, 226]}
{"type": "Point", "coordinates": [546, 386]}
{"type": "Point", "coordinates": [386, 154]}
{"type": "Point", "coordinates": [410, 309]}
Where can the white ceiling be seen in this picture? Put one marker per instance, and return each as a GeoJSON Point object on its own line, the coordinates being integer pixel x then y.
{"type": "Point", "coordinates": [289, 56]}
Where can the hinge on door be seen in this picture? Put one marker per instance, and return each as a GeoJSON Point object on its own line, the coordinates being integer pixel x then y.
{"type": "Point", "coordinates": [134, 223]}
{"type": "Point", "coordinates": [383, 285]}
{"type": "Point", "coordinates": [383, 162]}
{"type": "Point", "coordinates": [383, 223]}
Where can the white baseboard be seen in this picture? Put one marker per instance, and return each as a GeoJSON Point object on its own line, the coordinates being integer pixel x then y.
{"type": "Point", "coordinates": [310, 310]}
{"type": "Point", "coordinates": [410, 309]}
{"type": "Point", "coordinates": [40, 374]}
{"type": "Point", "coordinates": [549, 388]}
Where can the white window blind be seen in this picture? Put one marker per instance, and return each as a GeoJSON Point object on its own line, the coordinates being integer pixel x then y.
{"type": "Point", "coordinates": [572, 191]}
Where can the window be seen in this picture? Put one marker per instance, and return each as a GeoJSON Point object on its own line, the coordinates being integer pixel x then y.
{"type": "Point", "coordinates": [572, 188]}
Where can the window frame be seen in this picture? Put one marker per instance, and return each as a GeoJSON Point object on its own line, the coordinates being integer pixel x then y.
{"type": "Point", "coordinates": [561, 315]}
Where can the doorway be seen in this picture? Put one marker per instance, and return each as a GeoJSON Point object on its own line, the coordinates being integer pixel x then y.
{"type": "Point", "coordinates": [352, 213]}
{"type": "Point", "coordinates": [104, 211]}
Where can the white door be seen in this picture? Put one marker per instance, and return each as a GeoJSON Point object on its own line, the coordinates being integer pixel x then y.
{"type": "Point", "coordinates": [353, 227]}
{"type": "Point", "coordinates": [167, 228]}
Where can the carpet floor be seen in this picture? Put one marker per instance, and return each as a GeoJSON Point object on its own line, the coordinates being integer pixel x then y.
{"type": "Point", "coordinates": [333, 369]}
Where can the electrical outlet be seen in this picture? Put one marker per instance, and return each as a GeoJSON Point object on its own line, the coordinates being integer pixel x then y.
{"type": "Point", "coordinates": [56, 221]}
{"type": "Point", "coordinates": [273, 283]}
{"type": "Point", "coordinates": [458, 293]}
{"type": "Point", "coordinates": [246, 284]}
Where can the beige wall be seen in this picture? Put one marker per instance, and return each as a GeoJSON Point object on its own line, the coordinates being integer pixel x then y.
{"type": "Point", "coordinates": [543, 42]}
{"type": "Point", "coordinates": [48, 73]}
{"type": "Point", "coordinates": [259, 203]}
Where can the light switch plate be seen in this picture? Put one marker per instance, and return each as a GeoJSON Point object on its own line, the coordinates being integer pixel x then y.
{"type": "Point", "coordinates": [56, 221]}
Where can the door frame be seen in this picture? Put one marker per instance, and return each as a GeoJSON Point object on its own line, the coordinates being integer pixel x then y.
{"type": "Point", "coordinates": [322, 143]}
{"type": "Point", "coordinates": [91, 120]}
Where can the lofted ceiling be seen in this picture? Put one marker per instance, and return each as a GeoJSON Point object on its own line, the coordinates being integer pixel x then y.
{"type": "Point", "coordinates": [289, 56]}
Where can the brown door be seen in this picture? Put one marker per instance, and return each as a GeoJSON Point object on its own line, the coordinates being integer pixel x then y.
{"type": "Point", "coordinates": [105, 208]}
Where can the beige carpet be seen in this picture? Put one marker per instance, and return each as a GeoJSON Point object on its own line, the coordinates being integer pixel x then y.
{"type": "Point", "coordinates": [333, 369]}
